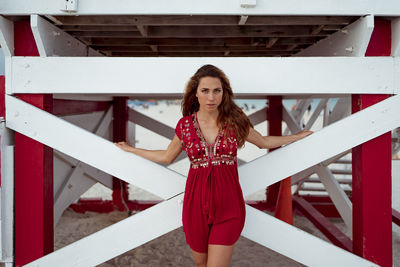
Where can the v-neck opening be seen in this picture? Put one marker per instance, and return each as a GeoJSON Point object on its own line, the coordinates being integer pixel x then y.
{"type": "Point", "coordinates": [201, 133]}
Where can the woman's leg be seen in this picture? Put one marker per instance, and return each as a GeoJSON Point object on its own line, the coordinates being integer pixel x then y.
{"type": "Point", "coordinates": [219, 255]}
{"type": "Point", "coordinates": [199, 258]}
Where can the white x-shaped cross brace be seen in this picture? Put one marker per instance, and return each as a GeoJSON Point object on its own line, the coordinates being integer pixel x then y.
{"type": "Point", "coordinates": [166, 216]}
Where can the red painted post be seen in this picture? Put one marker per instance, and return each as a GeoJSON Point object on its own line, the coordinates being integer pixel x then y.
{"type": "Point", "coordinates": [33, 173]}
{"type": "Point", "coordinates": [372, 212]}
{"type": "Point", "coordinates": [120, 193]}
{"type": "Point", "coordinates": [279, 194]}
{"type": "Point", "coordinates": [274, 117]}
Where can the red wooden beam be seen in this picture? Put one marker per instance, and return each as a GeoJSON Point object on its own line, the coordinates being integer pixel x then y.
{"type": "Point", "coordinates": [274, 117]}
{"type": "Point", "coordinates": [33, 173]}
{"type": "Point", "coordinates": [372, 214]}
{"type": "Point", "coordinates": [396, 217]}
{"type": "Point", "coordinates": [120, 193]}
{"type": "Point", "coordinates": [323, 224]}
{"type": "Point", "coordinates": [63, 107]}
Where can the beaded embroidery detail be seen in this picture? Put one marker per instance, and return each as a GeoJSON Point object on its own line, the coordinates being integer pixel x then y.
{"type": "Point", "coordinates": [214, 154]}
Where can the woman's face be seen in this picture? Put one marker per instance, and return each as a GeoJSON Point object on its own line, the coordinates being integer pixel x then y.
{"type": "Point", "coordinates": [209, 93]}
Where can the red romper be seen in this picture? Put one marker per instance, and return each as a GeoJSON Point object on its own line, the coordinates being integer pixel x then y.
{"type": "Point", "coordinates": [213, 206]}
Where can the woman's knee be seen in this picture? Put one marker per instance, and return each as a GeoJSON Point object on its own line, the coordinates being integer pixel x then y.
{"type": "Point", "coordinates": [200, 259]}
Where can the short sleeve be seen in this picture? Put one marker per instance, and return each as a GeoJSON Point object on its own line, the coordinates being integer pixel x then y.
{"type": "Point", "coordinates": [179, 129]}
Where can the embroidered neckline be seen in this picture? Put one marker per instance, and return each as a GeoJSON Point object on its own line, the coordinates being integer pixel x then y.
{"type": "Point", "coordinates": [200, 133]}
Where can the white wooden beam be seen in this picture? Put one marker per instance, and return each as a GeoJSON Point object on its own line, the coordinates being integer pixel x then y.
{"type": "Point", "coordinates": [91, 149]}
{"type": "Point", "coordinates": [7, 194]}
{"type": "Point", "coordinates": [294, 243]}
{"type": "Point", "coordinates": [298, 177]}
{"type": "Point", "coordinates": [124, 235]}
{"type": "Point", "coordinates": [7, 36]}
{"type": "Point", "coordinates": [341, 109]}
{"type": "Point", "coordinates": [258, 116]}
{"type": "Point", "coordinates": [396, 37]}
{"type": "Point", "coordinates": [342, 135]}
{"type": "Point", "coordinates": [76, 183]}
{"type": "Point", "coordinates": [134, 76]}
{"type": "Point", "coordinates": [207, 7]}
{"type": "Point", "coordinates": [352, 41]}
{"type": "Point", "coordinates": [322, 103]}
{"type": "Point", "coordinates": [52, 41]}
{"type": "Point", "coordinates": [151, 124]}
{"type": "Point", "coordinates": [93, 173]}
{"type": "Point", "coordinates": [337, 194]}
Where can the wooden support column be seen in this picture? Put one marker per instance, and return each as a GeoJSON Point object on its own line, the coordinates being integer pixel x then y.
{"type": "Point", "coordinates": [120, 193]}
{"type": "Point", "coordinates": [274, 117]}
{"type": "Point", "coordinates": [33, 170]}
{"type": "Point", "coordinates": [372, 212]}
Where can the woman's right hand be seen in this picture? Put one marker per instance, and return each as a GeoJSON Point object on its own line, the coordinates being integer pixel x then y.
{"type": "Point", "coordinates": [124, 146]}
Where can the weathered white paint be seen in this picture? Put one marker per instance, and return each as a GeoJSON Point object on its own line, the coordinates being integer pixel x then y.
{"type": "Point", "coordinates": [206, 7]}
{"type": "Point", "coordinates": [321, 105]}
{"type": "Point", "coordinates": [342, 135]}
{"type": "Point", "coordinates": [7, 36]}
{"type": "Point", "coordinates": [248, 76]}
{"type": "Point", "coordinates": [396, 37]}
{"type": "Point", "coordinates": [351, 41]}
{"type": "Point", "coordinates": [123, 236]}
{"type": "Point", "coordinates": [337, 194]}
{"type": "Point", "coordinates": [7, 194]}
{"type": "Point", "coordinates": [51, 41]}
{"type": "Point", "coordinates": [298, 177]}
{"type": "Point", "coordinates": [93, 173]}
{"type": "Point", "coordinates": [90, 148]}
{"type": "Point", "coordinates": [76, 182]}
{"type": "Point", "coordinates": [304, 247]}
{"type": "Point", "coordinates": [342, 109]}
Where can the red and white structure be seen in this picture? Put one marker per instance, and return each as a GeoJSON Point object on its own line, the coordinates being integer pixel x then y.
{"type": "Point", "coordinates": [48, 160]}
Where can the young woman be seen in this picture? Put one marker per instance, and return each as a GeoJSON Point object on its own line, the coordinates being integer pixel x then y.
{"type": "Point", "coordinates": [210, 131]}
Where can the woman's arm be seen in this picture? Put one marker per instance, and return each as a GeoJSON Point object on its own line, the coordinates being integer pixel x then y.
{"type": "Point", "coordinates": [161, 156]}
{"type": "Point", "coordinates": [260, 141]}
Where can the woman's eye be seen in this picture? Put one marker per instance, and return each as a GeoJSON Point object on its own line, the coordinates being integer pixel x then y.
{"type": "Point", "coordinates": [217, 91]}
{"type": "Point", "coordinates": [205, 91]}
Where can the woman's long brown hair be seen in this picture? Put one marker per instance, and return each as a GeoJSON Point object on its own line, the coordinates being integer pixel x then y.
{"type": "Point", "coordinates": [229, 112]}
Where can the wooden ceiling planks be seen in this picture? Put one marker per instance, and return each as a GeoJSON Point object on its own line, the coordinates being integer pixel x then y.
{"type": "Point", "coordinates": [200, 35]}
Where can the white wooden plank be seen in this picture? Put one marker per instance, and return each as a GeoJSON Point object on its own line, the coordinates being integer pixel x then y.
{"type": "Point", "coordinates": [351, 41]}
{"type": "Point", "coordinates": [395, 37]}
{"type": "Point", "coordinates": [295, 243]}
{"type": "Point", "coordinates": [322, 103]}
{"type": "Point", "coordinates": [258, 116]}
{"type": "Point", "coordinates": [342, 135]}
{"type": "Point", "coordinates": [133, 76]}
{"type": "Point", "coordinates": [7, 36]}
{"type": "Point", "coordinates": [337, 194]}
{"type": "Point", "coordinates": [298, 177]}
{"type": "Point", "coordinates": [7, 194]}
{"type": "Point", "coordinates": [119, 237]}
{"type": "Point", "coordinates": [222, 7]}
{"type": "Point", "coordinates": [76, 185]}
{"type": "Point", "coordinates": [341, 109]}
{"type": "Point", "coordinates": [97, 122]}
{"type": "Point", "coordinates": [290, 121]}
{"type": "Point", "coordinates": [91, 149]}
{"type": "Point", "coordinates": [151, 124]}
{"type": "Point", "coordinates": [52, 41]}
{"type": "Point", "coordinates": [93, 173]}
